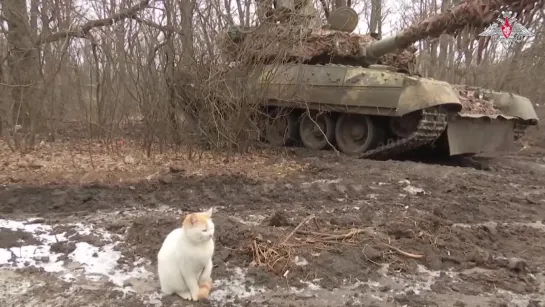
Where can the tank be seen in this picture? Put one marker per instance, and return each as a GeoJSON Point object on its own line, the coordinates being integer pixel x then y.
{"type": "Point", "coordinates": [361, 95]}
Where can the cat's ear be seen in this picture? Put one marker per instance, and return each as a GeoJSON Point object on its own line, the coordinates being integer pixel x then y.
{"type": "Point", "coordinates": [190, 219]}
{"type": "Point", "coordinates": [193, 219]}
{"type": "Point", "coordinates": [209, 212]}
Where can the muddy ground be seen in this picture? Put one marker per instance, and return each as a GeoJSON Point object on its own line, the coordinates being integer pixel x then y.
{"type": "Point", "coordinates": [321, 230]}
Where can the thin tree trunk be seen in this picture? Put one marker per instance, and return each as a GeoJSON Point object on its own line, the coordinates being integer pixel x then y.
{"type": "Point", "coordinates": [23, 63]}
{"type": "Point", "coordinates": [375, 20]}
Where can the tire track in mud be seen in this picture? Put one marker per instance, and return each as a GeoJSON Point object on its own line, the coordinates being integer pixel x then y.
{"type": "Point", "coordinates": [460, 201]}
{"type": "Point", "coordinates": [185, 191]}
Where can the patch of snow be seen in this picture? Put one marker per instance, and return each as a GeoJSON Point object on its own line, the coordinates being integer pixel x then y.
{"type": "Point", "coordinates": [413, 190]}
{"type": "Point", "coordinates": [409, 188]}
{"type": "Point", "coordinates": [252, 220]}
{"type": "Point", "coordinates": [227, 290]}
{"type": "Point", "coordinates": [101, 262]}
{"type": "Point", "coordinates": [154, 299]}
{"type": "Point", "coordinates": [535, 225]}
{"type": "Point", "coordinates": [312, 285]}
{"type": "Point", "coordinates": [223, 290]}
{"type": "Point", "coordinates": [320, 181]}
{"type": "Point", "coordinates": [40, 231]}
{"type": "Point", "coordinates": [300, 261]}
{"type": "Point", "coordinates": [32, 255]}
{"type": "Point", "coordinates": [98, 263]}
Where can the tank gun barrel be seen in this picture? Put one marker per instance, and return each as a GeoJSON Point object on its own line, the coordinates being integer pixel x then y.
{"type": "Point", "coordinates": [477, 13]}
{"type": "Point", "coordinates": [381, 47]}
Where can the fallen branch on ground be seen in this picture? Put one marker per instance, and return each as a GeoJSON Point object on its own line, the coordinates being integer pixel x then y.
{"type": "Point", "coordinates": [296, 228]}
{"type": "Point", "coordinates": [270, 255]}
{"type": "Point", "coordinates": [404, 253]}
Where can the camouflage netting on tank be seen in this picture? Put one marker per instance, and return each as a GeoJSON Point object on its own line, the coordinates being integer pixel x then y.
{"type": "Point", "coordinates": [404, 60]}
{"type": "Point", "coordinates": [274, 42]}
{"type": "Point", "coordinates": [473, 13]}
{"type": "Point", "coordinates": [475, 100]}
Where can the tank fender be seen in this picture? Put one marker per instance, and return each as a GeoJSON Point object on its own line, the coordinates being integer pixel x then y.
{"type": "Point", "coordinates": [419, 93]}
{"type": "Point", "coordinates": [514, 105]}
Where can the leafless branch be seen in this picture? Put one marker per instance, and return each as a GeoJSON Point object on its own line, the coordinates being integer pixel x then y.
{"type": "Point", "coordinates": [88, 26]}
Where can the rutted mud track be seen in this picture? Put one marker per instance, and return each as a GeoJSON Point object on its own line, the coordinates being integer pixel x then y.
{"type": "Point", "coordinates": [384, 234]}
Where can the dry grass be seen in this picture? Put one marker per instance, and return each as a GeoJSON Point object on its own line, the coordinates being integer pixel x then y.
{"type": "Point", "coordinates": [279, 256]}
{"type": "Point", "coordinates": [86, 161]}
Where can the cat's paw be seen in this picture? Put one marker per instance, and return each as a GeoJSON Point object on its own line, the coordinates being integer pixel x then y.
{"type": "Point", "coordinates": [203, 293]}
{"type": "Point", "coordinates": [185, 295]}
{"type": "Point", "coordinates": [195, 297]}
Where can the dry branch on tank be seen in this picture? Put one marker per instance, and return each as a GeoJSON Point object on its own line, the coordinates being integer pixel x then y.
{"type": "Point", "coordinates": [288, 42]}
{"type": "Point", "coordinates": [475, 100]}
{"type": "Point", "coordinates": [270, 42]}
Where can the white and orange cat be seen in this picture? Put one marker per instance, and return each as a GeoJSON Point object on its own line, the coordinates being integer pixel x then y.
{"type": "Point", "coordinates": [185, 258]}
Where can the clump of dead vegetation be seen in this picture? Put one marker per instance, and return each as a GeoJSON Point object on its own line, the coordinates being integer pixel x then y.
{"type": "Point", "coordinates": [279, 257]}
{"type": "Point", "coordinates": [476, 100]}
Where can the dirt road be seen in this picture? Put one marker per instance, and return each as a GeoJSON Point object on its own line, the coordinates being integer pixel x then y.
{"type": "Point", "coordinates": [369, 233]}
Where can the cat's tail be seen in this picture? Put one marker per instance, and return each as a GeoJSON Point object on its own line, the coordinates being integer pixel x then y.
{"type": "Point", "coordinates": [204, 289]}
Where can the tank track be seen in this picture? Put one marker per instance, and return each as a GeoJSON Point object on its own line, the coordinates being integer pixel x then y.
{"type": "Point", "coordinates": [430, 127]}
{"type": "Point", "coordinates": [520, 129]}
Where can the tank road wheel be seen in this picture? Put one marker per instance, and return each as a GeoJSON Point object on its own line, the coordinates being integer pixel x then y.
{"type": "Point", "coordinates": [355, 134]}
{"type": "Point", "coordinates": [316, 130]}
{"type": "Point", "coordinates": [281, 128]}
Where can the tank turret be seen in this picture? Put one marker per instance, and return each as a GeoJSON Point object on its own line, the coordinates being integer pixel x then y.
{"type": "Point", "coordinates": [332, 43]}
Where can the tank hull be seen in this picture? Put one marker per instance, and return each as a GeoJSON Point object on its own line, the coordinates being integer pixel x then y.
{"type": "Point", "coordinates": [373, 90]}
{"type": "Point", "coordinates": [379, 97]}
